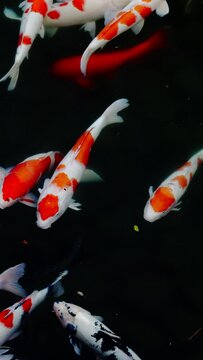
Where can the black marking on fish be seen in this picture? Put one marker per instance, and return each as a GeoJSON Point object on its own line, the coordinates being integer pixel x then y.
{"type": "Point", "coordinates": [109, 342]}
{"type": "Point", "coordinates": [71, 329]}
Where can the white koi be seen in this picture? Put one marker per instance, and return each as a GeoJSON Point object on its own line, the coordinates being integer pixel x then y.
{"type": "Point", "coordinates": [56, 196]}
{"type": "Point", "coordinates": [82, 327]}
{"type": "Point", "coordinates": [166, 197]}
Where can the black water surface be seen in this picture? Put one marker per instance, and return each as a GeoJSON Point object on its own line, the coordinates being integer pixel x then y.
{"type": "Point", "coordinates": [147, 285]}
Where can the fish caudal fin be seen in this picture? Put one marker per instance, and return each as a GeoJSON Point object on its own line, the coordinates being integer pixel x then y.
{"type": "Point", "coordinates": [13, 74]}
{"type": "Point", "coordinates": [4, 353]}
{"type": "Point", "coordinates": [110, 115]}
{"type": "Point", "coordinates": [56, 287]}
{"type": "Point", "coordinates": [9, 280]}
{"type": "Point", "coordinates": [92, 47]}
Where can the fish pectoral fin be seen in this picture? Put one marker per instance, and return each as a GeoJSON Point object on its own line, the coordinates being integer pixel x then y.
{"type": "Point", "coordinates": [15, 334]}
{"type": "Point", "coordinates": [138, 27]}
{"type": "Point", "coordinates": [76, 344]}
{"type": "Point", "coordinates": [151, 191]}
{"type": "Point", "coordinates": [162, 9]}
{"type": "Point", "coordinates": [175, 208]}
{"type": "Point", "coordinates": [29, 200]}
{"type": "Point", "coordinates": [90, 176]}
{"type": "Point", "coordinates": [4, 353]}
{"type": "Point", "coordinates": [74, 205]}
{"type": "Point", "coordinates": [11, 14]}
{"type": "Point", "coordinates": [50, 32]}
{"type": "Point", "coordinates": [41, 31]}
{"type": "Point", "coordinates": [90, 27]}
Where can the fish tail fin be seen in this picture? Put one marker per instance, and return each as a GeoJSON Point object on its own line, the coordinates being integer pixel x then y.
{"type": "Point", "coordinates": [56, 288]}
{"type": "Point", "coordinates": [10, 277]}
{"type": "Point", "coordinates": [13, 74]}
{"type": "Point", "coordinates": [92, 47]}
{"type": "Point", "coordinates": [110, 115]}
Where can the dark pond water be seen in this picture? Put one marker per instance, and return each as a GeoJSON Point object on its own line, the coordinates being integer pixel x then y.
{"type": "Point", "coordinates": [147, 285]}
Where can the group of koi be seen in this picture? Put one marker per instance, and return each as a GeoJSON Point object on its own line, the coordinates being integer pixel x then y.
{"type": "Point", "coordinates": [56, 195]}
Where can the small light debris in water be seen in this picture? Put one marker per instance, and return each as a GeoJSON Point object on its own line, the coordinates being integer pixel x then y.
{"type": "Point", "coordinates": [80, 293]}
{"type": "Point", "coordinates": [136, 228]}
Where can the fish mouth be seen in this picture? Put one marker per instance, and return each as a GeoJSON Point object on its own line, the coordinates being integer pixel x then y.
{"type": "Point", "coordinates": [43, 224]}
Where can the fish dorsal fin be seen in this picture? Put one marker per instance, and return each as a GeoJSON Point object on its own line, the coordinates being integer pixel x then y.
{"type": "Point", "coordinates": [99, 318]}
{"type": "Point", "coordinates": [150, 191]}
{"type": "Point", "coordinates": [138, 27]}
{"type": "Point", "coordinates": [162, 9]}
{"type": "Point", "coordinates": [90, 27]}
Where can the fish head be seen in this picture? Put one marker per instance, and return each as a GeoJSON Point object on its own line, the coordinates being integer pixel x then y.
{"type": "Point", "coordinates": [150, 215]}
{"type": "Point", "coordinates": [67, 314]}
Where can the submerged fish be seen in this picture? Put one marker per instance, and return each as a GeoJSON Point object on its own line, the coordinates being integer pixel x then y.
{"type": "Point", "coordinates": [83, 327]}
{"type": "Point", "coordinates": [57, 194]}
{"type": "Point", "coordinates": [106, 63]}
{"type": "Point", "coordinates": [166, 197]}
{"type": "Point", "coordinates": [132, 16]}
{"type": "Point", "coordinates": [13, 317]}
{"type": "Point", "coordinates": [31, 25]}
{"type": "Point", "coordinates": [9, 280]}
{"type": "Point", "coordinates": [15, 183]}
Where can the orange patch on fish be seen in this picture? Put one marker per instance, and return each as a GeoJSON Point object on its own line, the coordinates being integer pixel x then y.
{"type": "Point", "coordinates": [20, 39]}
{"type": "Point", "coordinates": [163, 198]}
{"type": "Point", "coordinates": [144, 11]}
{"type": "Point", "coordinates": [27, 304]}
{"type": "Point", "coordinates": [187, 164]}
{"type": "Point", "coordinates": [199, 162]}
{"type": "Point", "coordinates": [181, 180]}
{"type": "Point", "coordinates": [74, 183]}
{"type": "Point", "coordinates": [54, 14]}
{"type": "Point", "coordinates": [61, 166]}
{"type": "Point", "coordinates": [61, 180]}
{"type": "Point", "coordinates": [40, 6]}
{"type": "Point", "coordinates": [79, 4]}
{"type": "Point", "coordinates": [26, 40]}
{"type": "Point", "coordinates": [23, 177]}
{"type": "Point", "coordinates": [6, 319]}
{"type": "Point", "coordinates": [109, 31]}
{"type": "Point", "coordinates": [48, 206]}
{"type": "Point", "coordinates": [83, 147]}
{"type": "Point", "coordinates": [63, 4]}
{"type": "Point", "coordinates": [128, 18]}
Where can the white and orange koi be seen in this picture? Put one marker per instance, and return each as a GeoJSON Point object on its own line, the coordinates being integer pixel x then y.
{"type": "Point", "coordinates": [31, 25]}
{"type": "Point", "coordinates": [15, 183]}
{"type": "Point", "coordinates": [166, 197]}
{"type": "Point", "coordinates": [132, 16]}
{"type": "Point", "coordinates": [9, 280]}
{"type": "Point", "coordinates": [78, 12]}
{"type": "Point", "coordinates": [13, 317]}
{"type": "Point", "coordinates": [57, 193]}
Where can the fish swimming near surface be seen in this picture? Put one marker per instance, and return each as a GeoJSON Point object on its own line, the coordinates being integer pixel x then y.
{"type": "Point", "coordinates": [166, 197]}
{"type": "Point", "coordinates": [31, 25]}
{"type": "Point", "coordinates": [16, 182]}
{"type": "Point", "coordinates": [9, 280]}
{"type": "Point", "coordinates": [57, 193]}
{"type": "Point", "coordinates": [132, 16]}
{"type": "Point", "coordinates": [14, 316]}
{"type": "Point", "coordinates": [100, 65]}
{"type": "Point", "coordinates": [82, 327]}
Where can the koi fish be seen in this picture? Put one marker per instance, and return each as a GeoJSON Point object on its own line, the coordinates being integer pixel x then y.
{"type": "Point", "coordinates": [13, 317]}
{"type": "Point", "coordinates": [4, 354]}
{"type": "Point", "coordinates": [103, 64]}
{"type": "Point", "coordinates": [83, 327]}
{"type": "Point", "coordinates": [166, 197]}
{"type": "Point", "coordinates": [56, 196]}
{"type": "Point", "coordinates": [132, 16]}
{"type": "Point", "coordinates": [15, 183]}
{"type": "Point", "coordinates": [9, 280]}
{"type": "Point", "coordinates": [32, 24]}
{"type": "Point", "coordinates": [78, 12]}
